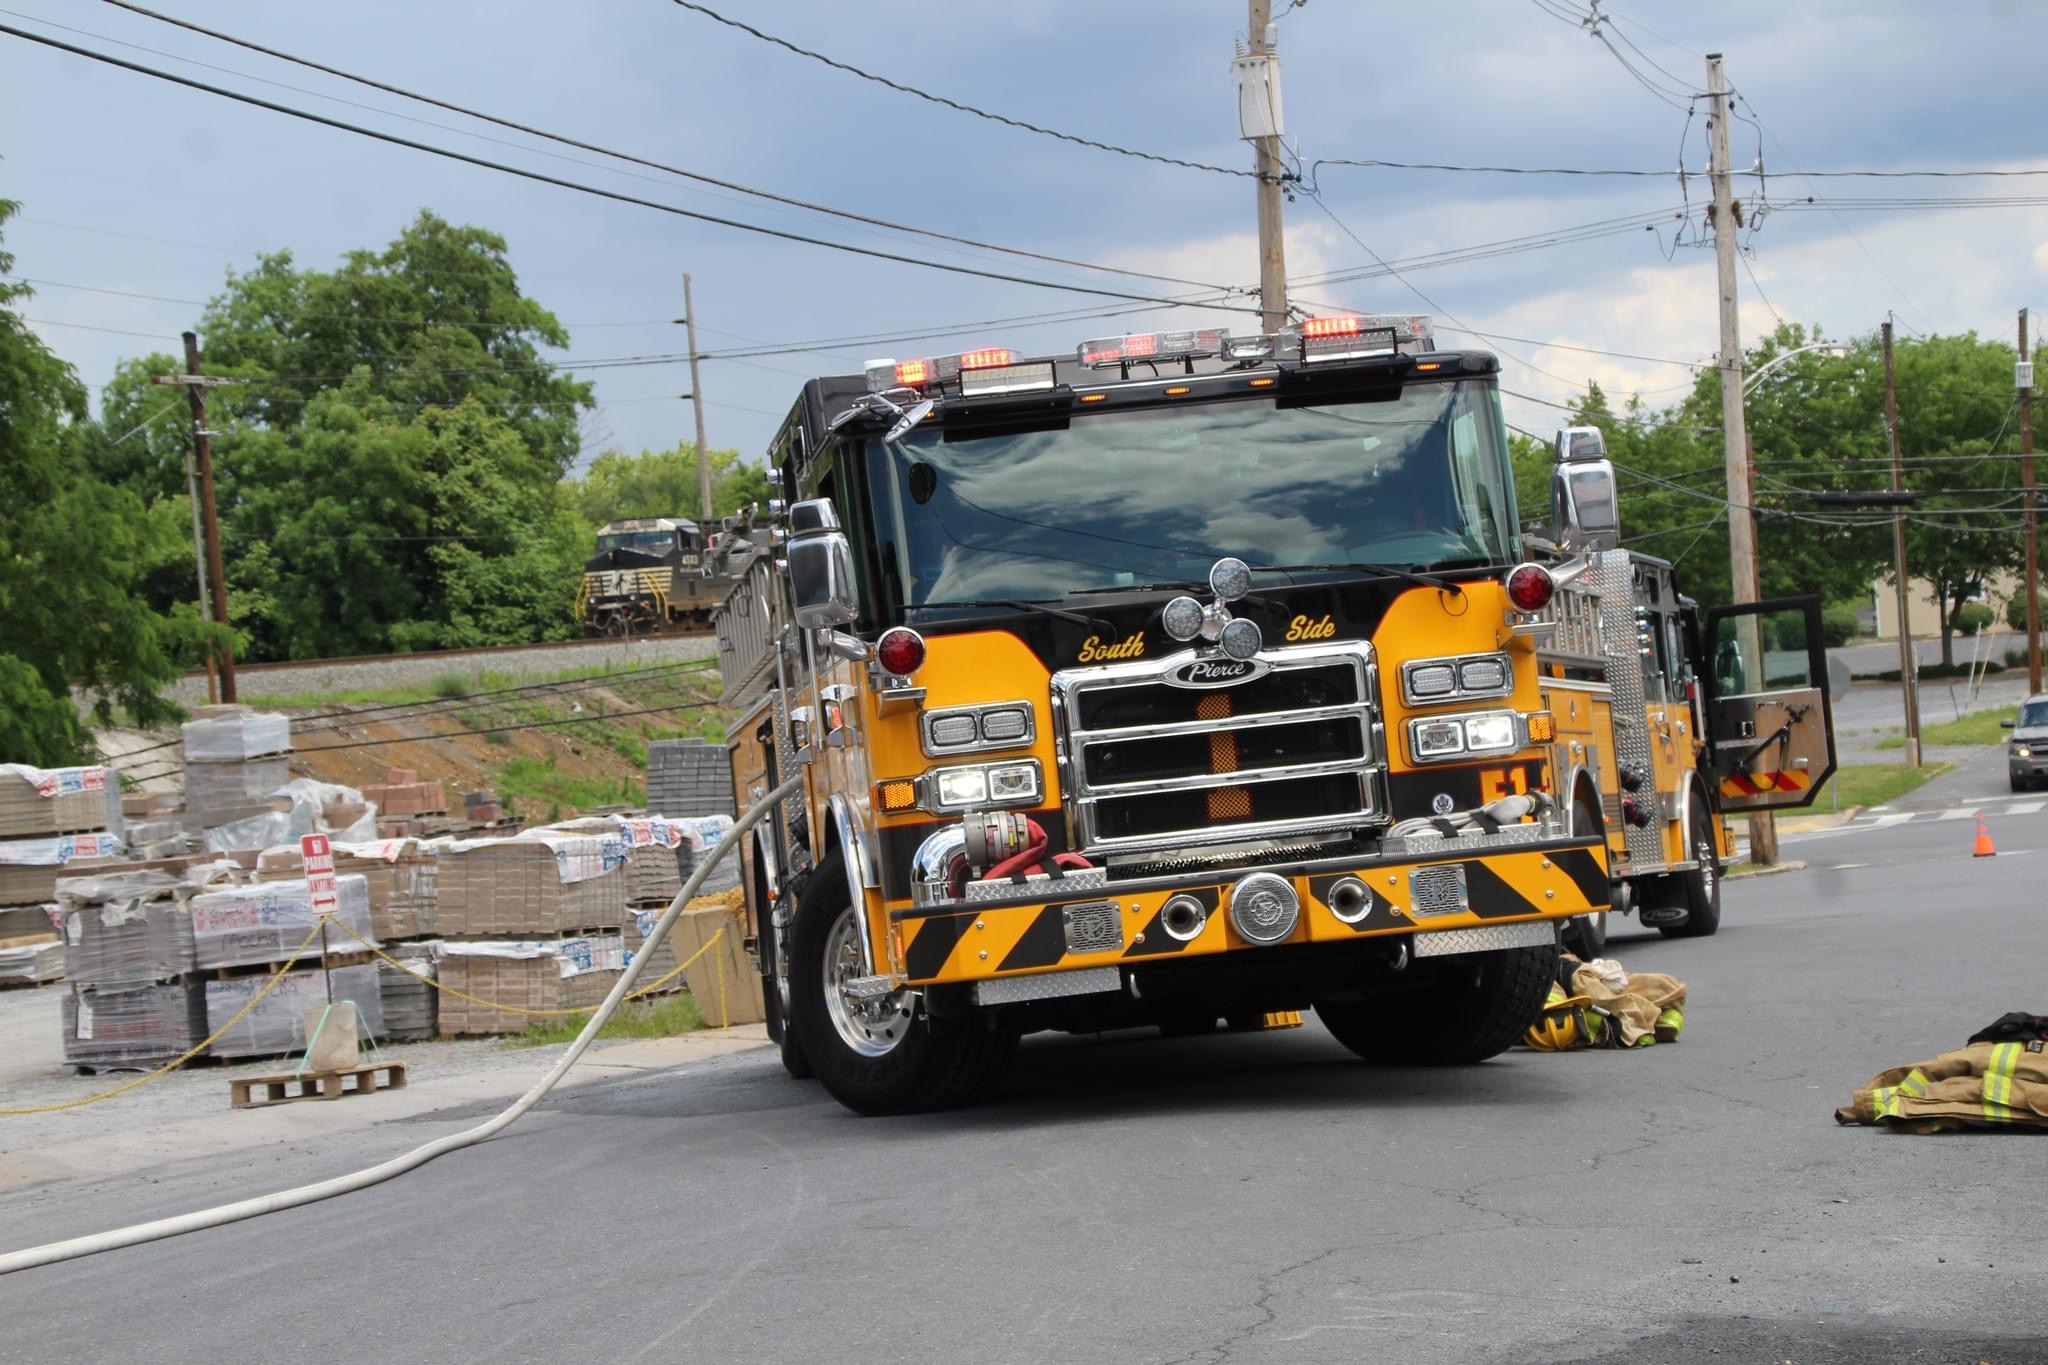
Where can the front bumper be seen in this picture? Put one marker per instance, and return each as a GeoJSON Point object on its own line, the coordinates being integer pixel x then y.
{"type": "Point", "coordinates": [2034, 765]}
{"type": "Point", "coordinates": [1030, 932]}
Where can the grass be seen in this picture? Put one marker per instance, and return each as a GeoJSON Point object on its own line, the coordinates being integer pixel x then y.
{"type": "Point", "coordinates": [537, 785]}
{"type": "Point", "coordinates": [663, 1017]}
{"type": "Point", "coordinates": [455, 686]}
{"type": "Point", "coordinates": [1979, 727]}
{"type": "Point", "coordinates": [1875, 784]}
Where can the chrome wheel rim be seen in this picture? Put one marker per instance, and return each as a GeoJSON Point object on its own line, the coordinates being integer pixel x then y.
{"type": "Point", "coordinates": [873, 1028]}
{"type": "Point", "coordinates": [1704, 853]}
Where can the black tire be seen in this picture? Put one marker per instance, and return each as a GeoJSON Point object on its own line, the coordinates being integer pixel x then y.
{"type": "Point", "coordinates": [929, 1064]}
{"type": "Point", "coordinates": [779, 1027]}
{"type": "Point", "coordinates": [2019, 784]}
{"type": "Point", "coordinates": [1479, 1008]}
{"type": "Point", "coordinates": [1586, 937]}
{"type": "Point", "coordinates": [1702, 885]}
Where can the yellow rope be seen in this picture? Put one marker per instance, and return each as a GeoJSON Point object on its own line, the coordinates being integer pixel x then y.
{"type": "Point", "coordinates": [520, 1009]}
{"type": "Point", "coordinates": [190, 1053]}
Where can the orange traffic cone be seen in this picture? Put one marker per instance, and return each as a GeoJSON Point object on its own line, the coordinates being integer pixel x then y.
{"type": "Point", "coordinates": [1984, 848]}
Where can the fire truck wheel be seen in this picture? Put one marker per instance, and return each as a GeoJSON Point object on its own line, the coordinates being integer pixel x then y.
{"type": "Point", "coordinates": [1476, 1010]}
{"type": "Point", "coordinates": [1702, 885]}
{"type": "Point", "coordinates": [775, 984]}
{"type": "Point", "coordinates": [883, 1056]}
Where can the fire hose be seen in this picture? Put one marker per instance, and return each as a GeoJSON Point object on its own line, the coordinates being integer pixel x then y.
{"type": "Point", "coordinates": [179, 1224]}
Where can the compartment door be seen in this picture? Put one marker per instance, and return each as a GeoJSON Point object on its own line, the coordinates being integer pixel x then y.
{"type": "Point", "coordinates": [1770, 720]}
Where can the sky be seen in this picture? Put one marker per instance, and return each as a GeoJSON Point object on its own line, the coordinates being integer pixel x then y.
{"type": "Point", "coordinates": [131, 186]}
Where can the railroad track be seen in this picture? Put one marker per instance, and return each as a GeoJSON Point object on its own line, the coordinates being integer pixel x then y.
{"type": "Point", "coordinates": [479, 651]}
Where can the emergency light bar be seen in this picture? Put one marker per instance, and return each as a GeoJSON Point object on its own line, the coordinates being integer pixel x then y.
{"type": "Point", "coordinates": [1348, 336]}
{"type": "Point", "coordinates": [993, 369]}
{"type": "Point", "coordinates": [1151, 346]}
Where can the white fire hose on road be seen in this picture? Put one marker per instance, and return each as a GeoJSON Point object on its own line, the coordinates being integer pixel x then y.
{"type": "Point", "coordinates": [71, 1249]}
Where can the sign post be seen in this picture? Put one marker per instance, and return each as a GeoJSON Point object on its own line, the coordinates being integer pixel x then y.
{"type": "Point", "coordinates": [318, 854]}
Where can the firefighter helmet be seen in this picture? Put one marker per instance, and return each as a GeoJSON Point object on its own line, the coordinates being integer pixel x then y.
{"type": "Point", "coordinates": [1562, 1025]}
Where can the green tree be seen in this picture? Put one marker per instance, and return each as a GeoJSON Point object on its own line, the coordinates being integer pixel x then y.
{"type": "Point", "coordinates": [72, 551]}
{"type": "Point", "coordinates": [663, 483]}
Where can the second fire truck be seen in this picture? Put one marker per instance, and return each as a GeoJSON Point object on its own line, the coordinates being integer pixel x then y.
{"type": "Point", "coordinates": [1196, 678]}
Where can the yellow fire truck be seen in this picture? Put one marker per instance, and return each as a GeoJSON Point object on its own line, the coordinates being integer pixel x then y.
{"type": "Point", "coordinates": [1198, 677]}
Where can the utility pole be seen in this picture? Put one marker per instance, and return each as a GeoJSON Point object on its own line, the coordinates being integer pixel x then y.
{"type": "Point", "coordinates": [199, 562]}
{"type": "Point", "coordinates": [1908, 673]}
{"type": "Point", "coordinates": [1742, 570]}
{"type": "Point", "coordinates": [202, 451]}
{"type": "Point", "coordinates": [697, 401]}
{"type": "Point", "coordinates": [1260, 81]}
{"type": "Point", "coordinates": [2025, 375]}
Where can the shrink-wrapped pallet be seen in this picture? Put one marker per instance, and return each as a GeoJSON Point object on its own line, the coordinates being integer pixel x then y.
{"type": "Point", "coordinates": [651, 844]}
{"type": "Point", "coordinates": [37, 801]}
{"type": "Point", "coordinates": [277, 1023]}
{"type": "Point", "coordinates": [31, 962]}
{"type": "Point", "coordinates": [534, 884]}
{"type": "Point", "coordinates": [132, 1025]}
{"type": "Point", "coordinates": [29, 868]}
{"type": "Point", "coordinates": [411, 1001]}
{"type": "Point", "coordinates": [547, 974]}
{"type": "Point", "coordinates": [703, 835]}
{"type": "Point", "coordinates": [232, 734]}
{"type": "Point", "coordinates": [244, 926]}
{"type": "Point", "coordinates": [402, 876]}
{"type": "Point", "coordinates": [125, 928]}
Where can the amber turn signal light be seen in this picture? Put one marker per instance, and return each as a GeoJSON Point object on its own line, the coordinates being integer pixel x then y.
{"type": "Point", "coordinates": [892, 798]}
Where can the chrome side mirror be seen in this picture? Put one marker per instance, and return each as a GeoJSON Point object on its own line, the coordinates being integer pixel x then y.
{"type": "Point", "coordinates": [820, 567]}
{"type": "Point", "coordinates": [1584, 505]}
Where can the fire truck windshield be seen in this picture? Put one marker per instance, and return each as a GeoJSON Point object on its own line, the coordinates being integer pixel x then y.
{"type": "Point", "coordinates": [1158, 494]}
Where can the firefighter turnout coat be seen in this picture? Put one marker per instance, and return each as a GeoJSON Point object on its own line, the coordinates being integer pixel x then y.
{"type": "Point", "coordinates": [1984, 1085]}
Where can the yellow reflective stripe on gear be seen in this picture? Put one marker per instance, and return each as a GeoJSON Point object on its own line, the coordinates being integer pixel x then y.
{"type": "Point", "coordinates": [1884, 1102]}
{"type": "Point", "coordinates": [1915, 1083]}
{"type": "Point", "coordinates": [1998, 1080]}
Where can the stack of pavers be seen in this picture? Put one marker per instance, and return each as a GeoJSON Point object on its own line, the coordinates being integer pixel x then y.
{"type": "Point", "coordinates": [688, 777]}
{"type": "Point", "coordinates": [723, 979]}
{"type": "Point", "coordinates": [403, 799]}
{"type": "Point", "coordinates": [532, 921]}
{"type": "Point", "coordinates": [133, 998]}
{"type": "Point", "coordinates": [52, 820]}
{"type": "Point", "coordinates": [242, 934]}
{"type": "Point", "coordinates": [235, 757]}
{"type": "Point", "coordinates": [402, 876]}
{"type": "Point", "coordinates": [655, 852]}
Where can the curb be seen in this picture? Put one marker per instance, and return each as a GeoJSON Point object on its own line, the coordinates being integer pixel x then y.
{"type": "Point", "coordinates": [1794, 865]}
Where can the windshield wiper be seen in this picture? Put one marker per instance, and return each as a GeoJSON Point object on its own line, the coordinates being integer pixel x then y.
{"type": "Point", "coordinates": [1384, 570]}
{"type": "Point", "coordinates": [1182, 585]}
{"type": "Point", "coordinates": [1094, 623]}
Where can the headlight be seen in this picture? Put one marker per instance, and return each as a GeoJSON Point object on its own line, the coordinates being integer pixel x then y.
{"type": "Point", "coordinates": [1432, 680]}
{"type": "Point", "coordinates": [2023, 752]}
{"type": "Point", "coordinates": [995, 784]}
{"type": "Point", "coordinates": [1496, 731]}
{"type": "Point", "coordinates": [1427, 681]}
{"type": "Point", "coordinates": [965, 729]}
{"type": "Point", "coordinates": [1487, 732]}
{"type": "Point", "coordinates": [1438, 738]}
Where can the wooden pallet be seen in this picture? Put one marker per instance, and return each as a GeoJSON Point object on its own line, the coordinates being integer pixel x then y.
{"type": "Point", "coordinates": [285, 1087]}
{"type": "Point", "coordinates": [311, 962]}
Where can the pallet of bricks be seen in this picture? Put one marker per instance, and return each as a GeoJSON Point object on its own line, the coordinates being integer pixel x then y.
{"type": "Point", "coordinates": [402, 879]}
{"type": "Point", "coordinates": [242, 934]}
{"type": "Point", "coordinates": [689, 777]}
{"type": "Point", "coordinates": [235, 758]}
{"type": "Point", "coordinates": [52, 820]}
{"type": "Point", "coordinates": [403, 800]}
{"type": "Point", "coordinates": [533, 922]}
{"type": "Point", "coordinates": [133, 996]}
{"type": "Point", "coordinates": [656, 852]}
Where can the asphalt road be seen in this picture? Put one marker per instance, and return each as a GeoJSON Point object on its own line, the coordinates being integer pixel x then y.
{"type": "Point", "coordinates": [1256, 1198]}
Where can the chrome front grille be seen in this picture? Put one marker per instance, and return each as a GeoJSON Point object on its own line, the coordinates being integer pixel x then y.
{"type": "Point", "coordinates": [1148, 765]}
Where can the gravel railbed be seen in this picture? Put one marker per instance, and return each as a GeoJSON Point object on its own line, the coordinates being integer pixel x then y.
{"type": "Point", "coordinates": [419, 669]}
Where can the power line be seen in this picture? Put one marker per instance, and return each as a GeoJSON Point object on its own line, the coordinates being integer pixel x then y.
{"type": "Point", "coordinates": [637, 160]}
{"type": "Point", "coordinates": [1678, 172]}
{"type": "Point", "coordinates": [594, 190]}
{"type": "Point", "coordinates": [956, 105]}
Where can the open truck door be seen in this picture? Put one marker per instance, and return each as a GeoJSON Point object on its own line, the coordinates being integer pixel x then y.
{"type": "Point", "coordinates": [1770, 720]}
